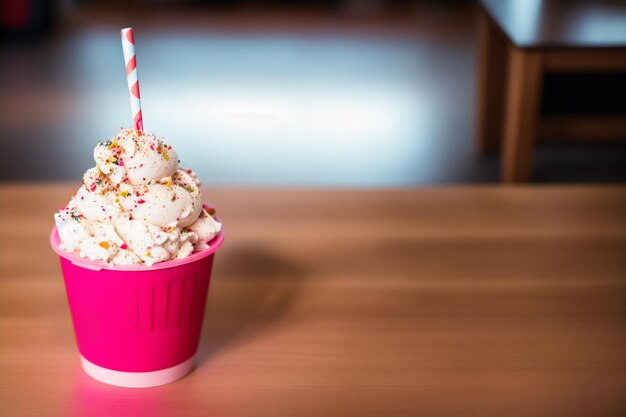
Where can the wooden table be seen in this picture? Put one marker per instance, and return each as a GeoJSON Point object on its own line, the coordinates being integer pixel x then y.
{"type": "Point", "coordinates": [468, 301]}
{"type": "Point", "coordinates": [522, 40]}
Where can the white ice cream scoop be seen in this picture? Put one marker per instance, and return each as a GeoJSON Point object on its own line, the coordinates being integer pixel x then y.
{"type": "Point", "coordinates": [136, 206]}
{"type": "Point", "coordinates": [172, 202]}
{"type": "Point", "coordinates": [152, 160]}
{"type": "Point", "coordinates": [190, 184]}
{"type": "Point", "coordinates": [96, 206]}
{"type": "Point", "coordinates": [205, 228]}
{"type": "Point", "coordinates": [135, 157]}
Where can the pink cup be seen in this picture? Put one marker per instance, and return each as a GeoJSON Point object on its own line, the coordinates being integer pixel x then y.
{"type": "Point", "coordinates": [137, 326]}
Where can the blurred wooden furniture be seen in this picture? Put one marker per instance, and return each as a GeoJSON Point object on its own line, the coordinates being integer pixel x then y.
{"type": "Point", "coordinates": [485, 301]}
{"type": "Point", "coordinates": [519, 42]}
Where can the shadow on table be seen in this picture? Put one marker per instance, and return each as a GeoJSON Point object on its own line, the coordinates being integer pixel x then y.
{"type": "Point", "coordinates": [253, 288]}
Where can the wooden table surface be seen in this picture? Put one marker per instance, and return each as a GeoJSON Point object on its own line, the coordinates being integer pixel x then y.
{"type": "Point", "coordinates": [461, 301]}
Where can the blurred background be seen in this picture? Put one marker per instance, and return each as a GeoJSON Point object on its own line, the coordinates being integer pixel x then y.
{"type": "Point", "coordinates": [369, 93]}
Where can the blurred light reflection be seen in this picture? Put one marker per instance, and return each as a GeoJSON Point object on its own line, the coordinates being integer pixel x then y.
{"type": "Point", "coordinates": [279, 110]}
{"type": "Point", "coordinates": [323, 107]}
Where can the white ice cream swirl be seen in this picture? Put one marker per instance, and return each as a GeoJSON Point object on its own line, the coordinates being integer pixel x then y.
{"type": "Point", "coordinates": [136, 206]}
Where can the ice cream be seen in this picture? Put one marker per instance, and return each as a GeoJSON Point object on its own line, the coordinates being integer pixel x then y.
{"type": "Point", "coordinates": [136, 206]}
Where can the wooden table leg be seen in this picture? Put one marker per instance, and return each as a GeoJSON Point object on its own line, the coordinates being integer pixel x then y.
{"type": "Point", "coordinates": [525, 73]}
{"type": "Point", "coordinates": [492, 58]}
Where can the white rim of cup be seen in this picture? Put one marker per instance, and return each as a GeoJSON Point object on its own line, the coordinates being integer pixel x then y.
{"type": "Point", "coordinates": [137, 379]}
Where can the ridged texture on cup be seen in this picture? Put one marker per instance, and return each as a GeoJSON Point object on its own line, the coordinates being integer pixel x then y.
{"type": "Point", "coordinates": [137, 320]}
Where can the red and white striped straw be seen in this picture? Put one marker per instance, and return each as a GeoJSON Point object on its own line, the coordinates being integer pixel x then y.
{"type": "Point", "coordinates": [128, 45]}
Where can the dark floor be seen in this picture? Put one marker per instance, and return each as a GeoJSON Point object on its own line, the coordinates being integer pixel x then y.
{"type": "Point", "coordinates": [299, 98]}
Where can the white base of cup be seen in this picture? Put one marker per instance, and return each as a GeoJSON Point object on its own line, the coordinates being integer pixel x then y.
{"type": "Point", "coordinates": [137, 379]}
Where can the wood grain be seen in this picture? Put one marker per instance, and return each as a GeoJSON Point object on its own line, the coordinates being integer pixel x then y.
{"type": "Point", "coordinates": [523, 96]}
{"type": "Point", "coordinates": [582, 128]}
{"type": "Point", "coordinates": [491, 83]}
{"type": "Point", "coordinates": [612, 59]}
{"type": "Point", "coordinates": [484, 301]}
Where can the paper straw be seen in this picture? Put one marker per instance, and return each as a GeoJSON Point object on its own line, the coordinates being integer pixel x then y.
{"type": "Point", "coordinates": [130, 59]}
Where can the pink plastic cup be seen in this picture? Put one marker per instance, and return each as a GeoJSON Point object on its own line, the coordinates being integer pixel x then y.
{"type": "Point", "coordinates": [137, 326]}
